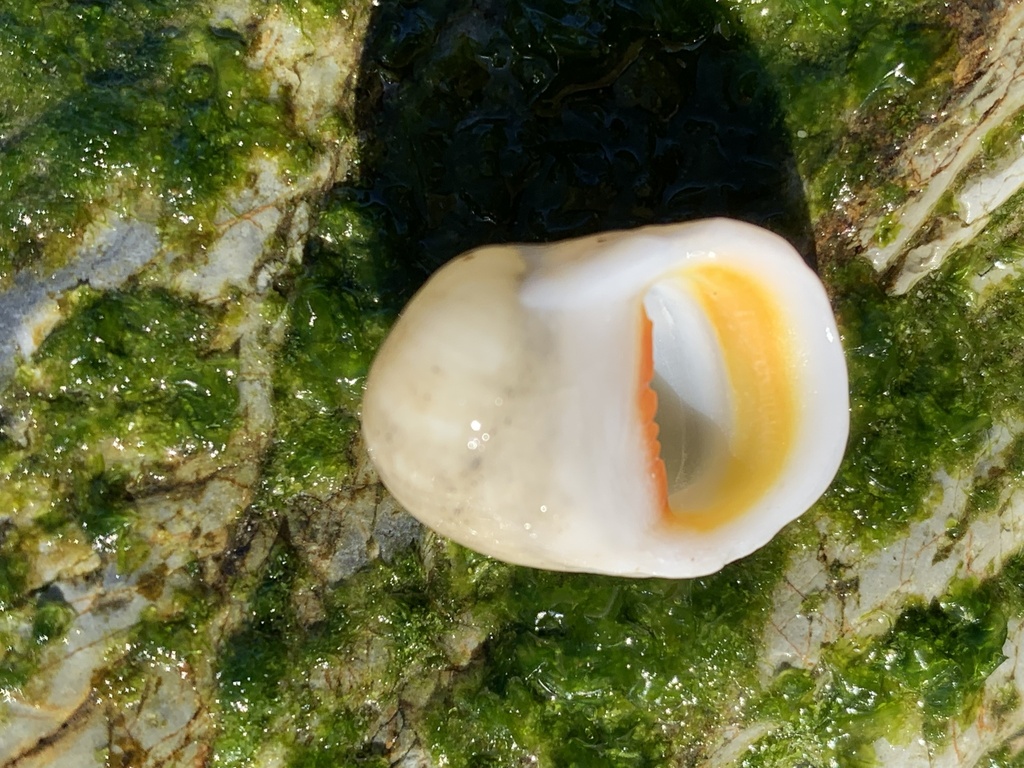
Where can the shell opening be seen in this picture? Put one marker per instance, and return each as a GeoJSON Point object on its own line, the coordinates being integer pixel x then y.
{"type": "Point", "coordinates": [725, 381]}
{"type": "Point", "coordinates": [694, 414]}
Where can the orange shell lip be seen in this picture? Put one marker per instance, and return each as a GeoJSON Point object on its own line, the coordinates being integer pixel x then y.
{"type": "Point", "coordinates": [647, 407]}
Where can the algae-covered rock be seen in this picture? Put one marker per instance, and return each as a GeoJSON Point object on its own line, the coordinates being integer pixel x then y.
{"type": "Point", "coordinates": [210, 215]}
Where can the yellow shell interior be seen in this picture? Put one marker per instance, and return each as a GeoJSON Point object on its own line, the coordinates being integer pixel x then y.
{"type": "Point", "coordinates": [760, 366]}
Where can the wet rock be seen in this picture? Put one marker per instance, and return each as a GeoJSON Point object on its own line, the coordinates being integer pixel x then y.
{"type": "Point", "coordinates": [113, 251]}
{"type": "Point", "coordinates": [463, 642]}
{"type": "Point", "coordinates": [340, 535]}
{"type": "Point", "coordinates": [333, 537]}
{"type": "Point", "coordinates": [394, 529]}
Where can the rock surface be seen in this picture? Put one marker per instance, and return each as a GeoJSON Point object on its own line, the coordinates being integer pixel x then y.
{"type": "Point", "coordinates": [181, 587]}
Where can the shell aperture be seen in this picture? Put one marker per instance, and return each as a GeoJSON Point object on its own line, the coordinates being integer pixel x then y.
{"type": "Point", "coordinates": [653, 402]}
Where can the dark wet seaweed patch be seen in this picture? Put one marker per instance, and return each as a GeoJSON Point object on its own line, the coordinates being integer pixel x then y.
{"type": "Point", "coordinates": [535, 121]}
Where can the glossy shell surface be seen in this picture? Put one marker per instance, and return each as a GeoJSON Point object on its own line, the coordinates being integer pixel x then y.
{"type": "Point", "coordinates": [652, 402]}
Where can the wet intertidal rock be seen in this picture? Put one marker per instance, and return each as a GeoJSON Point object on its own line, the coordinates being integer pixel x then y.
{"type": "Point", "coordinates": [209, 217]}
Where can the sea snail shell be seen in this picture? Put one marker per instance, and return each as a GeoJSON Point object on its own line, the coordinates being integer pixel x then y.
{"type": "Point", "coordinates": [655, 402]}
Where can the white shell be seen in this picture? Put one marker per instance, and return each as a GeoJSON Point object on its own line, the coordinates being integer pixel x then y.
{"type": "Point", "coordinates": [505, 409]}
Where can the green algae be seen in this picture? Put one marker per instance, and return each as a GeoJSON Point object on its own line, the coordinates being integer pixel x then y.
{"type": "Point", "coordinates": [1003, 140]}
{"type": "Point", "coordinates": [575, 666]}
{"type": "Point", "coordinates": [579, 669]}
{"type": "Point", "coordinates": [854, 79]}
{"type": "Point", "coordinates": [17, 647]}
{"type": "Point", "coordinates": [925, 673]}
{"type": "Point", "coordinates": [141, 360]}
{"type": "Point", "coordinates": [575, 669]}
{"type": "Point", "coordinates": [930, 373]}
{"type": "Point", "coordinates": [312, 677]}
{"type": "Point", "coordinates": [108, 102]}
{"type": "Point", "coordinates": [128, 384]}
{"type": "Point", "coordinates": [47, 619]}
{"type": "Point", "coordinates": [596, 670]}
{"type": "Point", "coordinates": [1004, 757]}
{"type": "Point", "coordinates": [149, 348]}
{"type": "Point", "coordinates": [336, 320]}
{"type": "Point", "coordinates": [13, 567]}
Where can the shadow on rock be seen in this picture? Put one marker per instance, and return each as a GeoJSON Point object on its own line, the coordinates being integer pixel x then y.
{"type": "Point", "coordinates": [536, 120]}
